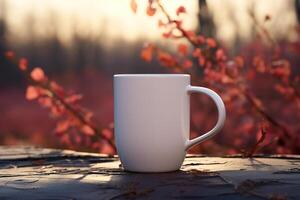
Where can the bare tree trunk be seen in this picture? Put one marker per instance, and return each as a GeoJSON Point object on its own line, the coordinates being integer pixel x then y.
{"type": "Point", "coordinates": [206, 24]}
{"type": "Point", "coordinates": [297, 7]}
{"type": "Point", "coordinates": [2, 25]}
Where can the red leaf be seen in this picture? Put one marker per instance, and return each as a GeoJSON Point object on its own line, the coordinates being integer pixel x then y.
{"type": "Point", "coordinates": [147, 53]}
{"type": "Point", "coordinates": [57, 110]}
{"type": "Point", "coordinates": [166, 59]}
{"type": "Point", "coordinates": [167, 34]}
{"type": "Point", "coordinates": [106, 148]}
{"type": "Point", "coordinates": [220, 55]}
{"type": "Point", "coordinates": [62, 126]}
{"type": "Point", "coordinates": [57, 88]}
{"type": "Point", "coordinates": [37, 74]}
{"type": "Point", "coordinates": [201, 61]}
{"type": "Point", "coordinates": [180, 10]}
{"type": "Point", "coordinates": [32, 93]}
{"type": "Point", "coordinates": [88, 116]}
{"type": "Point", "coordinates": [65, 139]}
{"type": "Point", "coordinates": [150, 10]}
{"type": "Point", "coordinates": [190, 34]}
{"type": "Point", "coordinates": [211, 42]}
{"type": "Point", "coordinates": [73, 98]}
{"type": "Point", "coordinates": [45, 101]}
{"type": "Point", "coordinates": [197, 52]}
{"type": "Point", "coordinates": [187, 64]}
{"type": "Point", "coordinates": [281, 72]}
{"type": "Point", "coordinates": [87, 130]}
{"type": "Point", "coordinates": [281, 69]}
{"type": "Point", "coordinates": [182, 49]}
{"type": "Point", "coordinates": [107, 133]}
{"type": "Point", "coordinates": [133, 6]}
{"type": "Point", "coordinates": [284, 90]}
{"type": "Point", "coordinates": [9, 55]}
{"type": "Point", "coordinates": [23, 64]}
{"type": "Point", "coordinates": [74, 121]}
{"type": "Point", "coordinates": [200, 39]}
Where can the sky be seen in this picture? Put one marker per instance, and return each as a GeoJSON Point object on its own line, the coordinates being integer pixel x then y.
{"type": "Point", "coordinates": [114, 19]}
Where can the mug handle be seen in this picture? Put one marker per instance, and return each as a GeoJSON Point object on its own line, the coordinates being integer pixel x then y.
{"type": "Point", "coordinates": [221, 115]}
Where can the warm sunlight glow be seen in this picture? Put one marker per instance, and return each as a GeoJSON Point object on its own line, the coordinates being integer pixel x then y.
{"type": "Point", "coordinates": [114, 20]}
{"type": "Point", "coordinates": [93, 18]}
{"type": "Point", "coordinates": [232, 19]}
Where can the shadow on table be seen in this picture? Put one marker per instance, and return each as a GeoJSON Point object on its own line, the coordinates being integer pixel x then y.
{"type": "Point", "coordinates": [174, 185]}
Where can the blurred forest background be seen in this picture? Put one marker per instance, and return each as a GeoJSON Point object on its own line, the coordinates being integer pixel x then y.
{"type": "Point", "coordinates": [82, 43]}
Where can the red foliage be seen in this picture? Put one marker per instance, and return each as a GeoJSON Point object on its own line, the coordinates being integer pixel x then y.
{"type": "Point", "coordinates": [10, 55]}
{"type": "Point", "coordinates": [32, 92]}
{"type": "Point", "coordinates": [147, 53]}
{"type": "Point", "coordinates": [23, 64]}
{"type": "Point", "coordinates": [74, 123]}
{"type": "Point", "coordinates": [150, 10]}
{"type": "Point", "coordinates": [211, 42]}
{"type": "Point", "coordinates": [37, 74]}
{"type": "Point", "coordinates": [88, 130]}
{"type": "Point", "coordinates": [180, 9]}
{"type": "Point", "coordinates": [256, 120]}
{"type": "Point", "coordinates": [183, 49]}
{"type": "Point", "coordinates": [166, 59]}
{"type": "Point", "coordinates": [236, 78]}
{"type": "Point", "coordinates": [187, 64]}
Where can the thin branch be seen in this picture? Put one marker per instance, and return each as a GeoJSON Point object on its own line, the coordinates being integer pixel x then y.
{"type": "Point", "coordinates": [249, 98]}
{"type": "Point", "coordinates": [265, 115]}
{"type": "Point", "coordinates": [254, 149]}
{"type": "Point", "coordinates": [170, 20]}
{"type": "Point", "coordinates": [274, 43]}
{"type": "Point", "coordinates": [81, 118]}
{"type": "Point", "coordinates": [46, 86]}
{"type": "Point", "coordinates": [74, 112]}
{"type": "Point", "coordinates": [262, 29]}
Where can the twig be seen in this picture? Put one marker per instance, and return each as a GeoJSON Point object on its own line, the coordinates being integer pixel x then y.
{"type": "Point", "coordinates": [46, 86]}
{"type": "Point", "coordinates": [262, 29]}
{"type": "Point", "coordinates": [250, 153]}
{"type": "Point", "coordinates": [170, 20]}
{"type": "Point", "coordinates": [248, 97]}
{"type": "Point", "coordinates": [274, 43]}
{"type": "Point", "coordinates": [265, 115]}
{"type": "Point", "coordinates": [73, 111]}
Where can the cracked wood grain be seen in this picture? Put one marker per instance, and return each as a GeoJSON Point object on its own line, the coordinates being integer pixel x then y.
{"type": "Point", "coordinates": [37, 173]}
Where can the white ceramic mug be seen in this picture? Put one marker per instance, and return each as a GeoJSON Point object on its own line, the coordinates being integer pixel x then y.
{"type": "Point", "coordinates": [152, 120]}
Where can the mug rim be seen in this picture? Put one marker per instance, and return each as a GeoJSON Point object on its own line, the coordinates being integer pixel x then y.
{"type": "Point", "coordinates": [151, 75]}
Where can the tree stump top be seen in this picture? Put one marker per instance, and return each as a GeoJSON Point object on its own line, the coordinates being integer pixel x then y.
{"type": "Point", "coordinates": [36, 173]}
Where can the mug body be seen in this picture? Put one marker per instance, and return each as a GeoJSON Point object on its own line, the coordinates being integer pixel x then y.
{"type": "Point", "coordinates": [152, 117]}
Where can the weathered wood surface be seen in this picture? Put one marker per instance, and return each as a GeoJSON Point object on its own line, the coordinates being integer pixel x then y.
{"type": "Point", "coordinates": [33, 173]}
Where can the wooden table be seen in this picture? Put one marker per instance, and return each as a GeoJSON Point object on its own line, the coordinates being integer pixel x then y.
{"type": "Point", "coordinates": [34, 173]}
